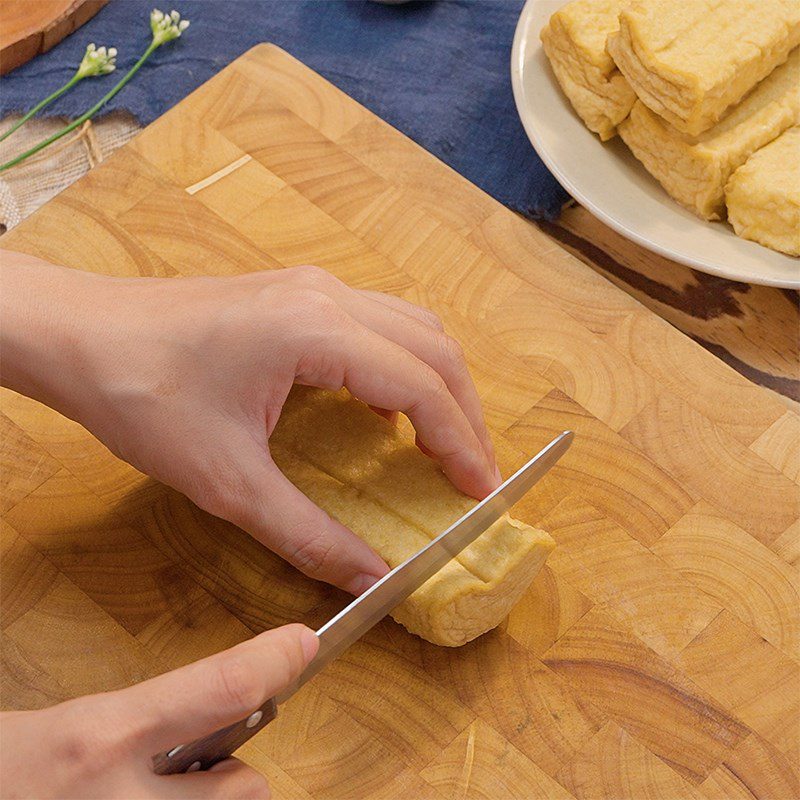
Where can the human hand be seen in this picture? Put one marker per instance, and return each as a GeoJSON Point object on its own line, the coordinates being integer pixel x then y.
{"type": "Point", "coordinates": [101, 745]}
{"type": "Point", "coordinates": [185, 379]}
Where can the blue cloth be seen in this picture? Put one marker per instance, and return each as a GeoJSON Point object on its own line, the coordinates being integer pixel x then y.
{"type": "Point", "coordinates": [438, 71]}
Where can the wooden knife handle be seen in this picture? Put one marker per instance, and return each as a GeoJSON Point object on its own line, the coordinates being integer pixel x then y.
{"type": "Point", "coordinates": [203, 753]}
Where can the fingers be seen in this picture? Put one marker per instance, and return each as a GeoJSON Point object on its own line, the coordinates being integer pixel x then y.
{"type": "Point", "coordinates": [285, 520]}
{"type": "Point", "coordinates": [197, 699]}
{"type": "Point", "coordinates": [389, 416]}
{"type": "Point", "coordinates": [384, 374]}
{"type": "Point", "coordinates": [418, 312]}
{"type": "Point", "coordinates": [436, 349]}
{"type": "Point", "coordinates": [241, 483]}
{"type": "Point", "coordinates": [228, 780]}
{"type": "Point", "coordinates": [236, 779]}
{"type": "Point", "coordinates": [419, 331]}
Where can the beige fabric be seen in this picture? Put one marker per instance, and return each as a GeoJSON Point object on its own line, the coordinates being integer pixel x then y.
{"type": "Point", "coordinates": [31, 184]}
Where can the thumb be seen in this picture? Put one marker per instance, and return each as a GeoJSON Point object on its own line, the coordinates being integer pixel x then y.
{"type": "Point", "coordinates": [259, 498]}
{"type": "Point", "coordinates": [197, 699]}
{"type": "Point", "coordinates": [280, 516]}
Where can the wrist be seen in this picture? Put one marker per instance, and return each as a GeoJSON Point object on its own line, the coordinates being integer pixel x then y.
{"type": "Point", "coordinates": [45, 313]}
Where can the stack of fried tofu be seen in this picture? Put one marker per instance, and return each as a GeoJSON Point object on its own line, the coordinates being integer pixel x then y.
{"type": "Point", "coordinates": [705, 93]}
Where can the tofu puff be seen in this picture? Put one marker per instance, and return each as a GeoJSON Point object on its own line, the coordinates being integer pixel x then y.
{"type": "Point", "coordinates": [764, 195]}
{"type": "Point", "coordinates": [695, 169]}
{"type": "Point", "coordinates": [365, 473]}
{"type": "Point", "coordinates": [690, 61]}
{"type": "Point", "coordinates": [575, 42]}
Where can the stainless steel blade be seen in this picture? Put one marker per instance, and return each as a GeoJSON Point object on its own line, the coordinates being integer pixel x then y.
{"type": "Point", "coordinates": [355, 620]}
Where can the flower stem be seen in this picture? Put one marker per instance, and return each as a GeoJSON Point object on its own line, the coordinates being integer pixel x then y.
{"type": "Point", "coordinates": [39, 106]}
{"type": "Point", "coordinates": [86, 115]}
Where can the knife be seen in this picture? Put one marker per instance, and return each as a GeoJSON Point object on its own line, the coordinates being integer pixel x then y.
{"type": "Point", "coordinates": [355, 620]}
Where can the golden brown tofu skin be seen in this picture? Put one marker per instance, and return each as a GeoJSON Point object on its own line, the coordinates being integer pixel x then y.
{"type": "Point", "coordinates": [365, 473]}
{"type": "Point", "coordinates": [695, 169]}
{"type": "Point", "coordinates": [574, 40]}
{"type": "Point", "coordinates": [764, 195]}
{"type": "Point", "coordinates": [689, 62]}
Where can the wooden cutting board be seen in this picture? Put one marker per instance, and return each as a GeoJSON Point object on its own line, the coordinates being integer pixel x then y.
{"type": "Point", "coordinates": [657, 653]}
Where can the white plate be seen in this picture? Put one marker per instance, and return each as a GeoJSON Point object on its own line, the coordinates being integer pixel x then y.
{"type": "Point", "coordinates": [608, 181]}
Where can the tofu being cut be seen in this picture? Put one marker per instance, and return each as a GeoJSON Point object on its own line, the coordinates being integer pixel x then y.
{"type": "Point", "coordinates": [689, 62]}
{"type": "Point", "coordinates": [369, 476]}
{"type": "Point", "coordinates": [574, 40]}
{"type": "Point", "coordinates": [764, 195]}
{"type": "Point", "coordinates": [695, 169]}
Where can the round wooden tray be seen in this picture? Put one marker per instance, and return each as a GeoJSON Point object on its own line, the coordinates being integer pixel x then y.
{"type": "Point", "coordinates": [30, 27]}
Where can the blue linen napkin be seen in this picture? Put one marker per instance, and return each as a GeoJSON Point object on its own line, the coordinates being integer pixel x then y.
{"type": "Point", "coordinates": [438, 71]}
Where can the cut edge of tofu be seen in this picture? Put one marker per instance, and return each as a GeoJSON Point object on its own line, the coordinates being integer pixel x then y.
{"type": "Point", "coordinates": [761, 213]}
{"type": "Point", "coordinates": [678, 96]}
{"type": "Point", "coordinates": [601, 98]}
{"type": "Point", "coordinates": [694, 170]}
{"type": "Point", "coordinates": [692, 174]}
{"type": "Point", "coordinates": [453, 618]}
{"type": "Point", "coordinates": [667, 156]}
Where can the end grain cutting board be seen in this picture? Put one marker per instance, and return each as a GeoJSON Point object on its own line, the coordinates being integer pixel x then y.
{"type": "Point", "coordinates": [657, 653]}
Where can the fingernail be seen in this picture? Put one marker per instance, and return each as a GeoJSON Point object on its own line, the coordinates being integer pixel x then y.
{"type": "Point", "coordinates": [360, 583]}
{"type": "Point", "coordinates": [310, 644]}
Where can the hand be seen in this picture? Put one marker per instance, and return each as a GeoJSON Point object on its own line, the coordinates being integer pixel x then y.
{"type": "Point", "coordinates": [185, 379]}
{"type": "Point", "coordinates": [101, 745]}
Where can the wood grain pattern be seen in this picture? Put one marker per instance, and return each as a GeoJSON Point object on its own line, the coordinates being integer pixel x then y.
{"type": "Point", "coordinates": [29, 27]}
{"type": "Point", "coordinates": [656, 656]}
{"type": "Point", "coordinates": [752, 329]}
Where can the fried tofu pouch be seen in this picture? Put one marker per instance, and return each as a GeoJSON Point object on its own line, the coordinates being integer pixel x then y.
{"type": "Point", "coordinates": [764, 195]}
{"type": "Point", "coordinates": [691, 61]}
{"type": "Point", "coordinates": [368, 475]}
{"type": "Point", "coordinates": [695, 169]}
{"type": "Point", "coordinates": [574, 40]}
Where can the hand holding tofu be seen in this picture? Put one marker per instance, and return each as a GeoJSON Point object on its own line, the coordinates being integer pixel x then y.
{"type": "Point", "coordinates": [364, 472]}
{"type": "Point", "coordinates": [186, 380]}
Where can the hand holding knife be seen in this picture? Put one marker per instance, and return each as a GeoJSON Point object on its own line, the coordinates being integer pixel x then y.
{"type": "Point", "coordinates": [365, 611]}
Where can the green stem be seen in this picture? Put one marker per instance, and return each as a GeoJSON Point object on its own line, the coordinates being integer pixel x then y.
{"type": "Point", "coordinates": [83, 117]}
{"type": "Point", "coordinates": [56, 94]}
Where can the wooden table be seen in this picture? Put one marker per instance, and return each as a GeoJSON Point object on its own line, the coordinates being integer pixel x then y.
{"type": "Point", "coordinates": [656, 655]}
{"type": "Point", "coordinates": [754, 329]}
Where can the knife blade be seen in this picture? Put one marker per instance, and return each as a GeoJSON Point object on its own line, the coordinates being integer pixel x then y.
{"type": "Point", "coordinates": [356, 619]}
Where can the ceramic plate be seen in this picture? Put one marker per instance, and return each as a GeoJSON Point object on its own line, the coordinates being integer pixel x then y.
{"type": "Point", "coordinates": [607, 180]}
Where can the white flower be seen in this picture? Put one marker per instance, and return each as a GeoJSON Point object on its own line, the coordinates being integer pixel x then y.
{"type": "Point", "coordinates": [97, 61]}
{"type": "Point", "coordinates": [166, 27]}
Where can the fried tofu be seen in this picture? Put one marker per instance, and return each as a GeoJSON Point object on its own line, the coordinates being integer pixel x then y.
{"type": "Point", "coordinates": [763, 195]}
{"type": "Point", "coordinates": [694, 170]}
{"type": "Point", "coordinates": [370, 477]}
{"type": "Point", "coordinates": [575, 42]}
{"type": "Point", "coordinates": [689, 62]}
